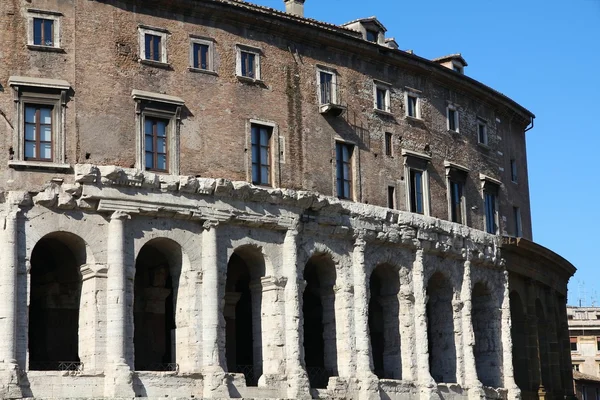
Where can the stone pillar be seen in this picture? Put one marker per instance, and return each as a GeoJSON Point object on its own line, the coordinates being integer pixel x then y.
{"type": "Point", "coordinates": [9, 263]}
{"type": "Point", "coordinates": [212, 320]}
{"type": "Point", "coordinates": [92, 341]}
{"type": "Point", "coordinates": [118, 381]}
{"type": "Point", "coordinates": [298, 386]}
{"type": "Point", "coordinates": [475, 388]}
{"type": "Point", "coordinates": [426, 383]}
{"type": "Point", "coordinates": [272, 324]}
{"type": "Point", "coordinates": [507, 346]}
{"type": "Point", "coordinates": [231, 300]}
{"type": "Point", "coordinates": [369, 384]}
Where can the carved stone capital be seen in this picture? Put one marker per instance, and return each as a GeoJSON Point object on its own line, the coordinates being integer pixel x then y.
{"type": "Point", "coordinates": [120, 215]}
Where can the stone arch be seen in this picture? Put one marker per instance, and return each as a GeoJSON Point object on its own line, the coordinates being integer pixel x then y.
{"type": "Point", "coordinates": [246, 271]}
{"type": "Point", "coordinates": [485, 317]}
{"type": "Point", "coordinates": [384, 325]}
{"type": "Point", "coordinates": [158, 269]}
{"type": "Point", "coordinates": [520, 351]}
{"type": "Point", "coordinates": [319, 328]}
{"type": "Point", "coordinates": [56, 260]}
{"type": "Point", "coordinates": [440, 329]}
{"type": "Point", "coordinates": [543, 345]}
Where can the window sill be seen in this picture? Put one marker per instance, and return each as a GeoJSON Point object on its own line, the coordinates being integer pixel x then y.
{"type": "Point", "coordinates": [409, 118]}
{"type": "Point", "coordinates": [203, 71]}
{"type": "Point", "coordinates": [383, 112]}
{"type": "Point", "coordinates": [246, 79]}
{"type": "Point", "coordinates": [453, 132]}
{"type": "Point", "coordinates": [158, 64]}
{"type": "Point", "coordinates": [50, 49]}
{"type": "Point", "coordinates": [484, 146]}
{"type": "Point", "coordinates": [39, 165]}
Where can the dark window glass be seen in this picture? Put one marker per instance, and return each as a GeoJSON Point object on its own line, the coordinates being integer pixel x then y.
{"type": "Point", "coordinates": [38, 132]}
{"type": "Point", "coordinates": [452, 119]}
{"type": "Point", "coordinates": [155, 144]}
{"type": "Point", "coordinates": [517, 219]}
{"type": "Point", "coordinates": [382, 99]}
{"type": "Point", "coordinates": [261, 158]}
{"type": "Point", "coordinates": [598, 343]}
{"type": "Point", "coordinates": [391, 193]}
{"type": "Point", "coordinates": [490, 212]}
{"type": "Point", "coordinates": [456, 201]}
{"type": "Point", "coordinates": [248, 66]}
{"type": "Point", "coordinates": [201, 56]}
{"type": "Point", "coordinates": [326, 86]}
{"type": "Point", "coordinates": [412, 106]}
{"type": "Point", "coordinates": [482, 132]}
{"type": "Point", "coordinates": [372, 36]}
{"type": "Point", "coordinates": [513, 170]}
{"type": "Point", "coordinates": [152, 47]}
{"type": "Point", "coordinates": [43, 32]}
{"type": "Point", "coordinates": [388, 144]}
{"type": "Point", "coordinates": [416, 191]}
{"type": "Point", "coordinates": [343, 155]}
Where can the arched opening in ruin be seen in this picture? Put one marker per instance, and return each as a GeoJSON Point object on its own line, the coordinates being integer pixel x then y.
{"type": "Point", "coordinates": [157, 272]}
{"type": "Point", "coordinates": [520, 352]}
{"type": "Point", "coordinates": [440, 329]}
{"type": "Point", "coordinates": [384, 326]}
{"type": "Point", "coordinates": [55, 296]}
{"type": "Point", "coordinates": [242, 312]}
{"type": "Point", "coordinates": [485, 317]}
{"type": "Point", "coordinates": [543, 347]}
{"type": "Point", "coordinates": [318, 310]}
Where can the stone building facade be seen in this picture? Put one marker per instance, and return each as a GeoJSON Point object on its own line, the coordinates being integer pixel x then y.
{"type": "Point", "coordinates": [216, 199]}
{"type": "Point", "coordinates": [584, 332]}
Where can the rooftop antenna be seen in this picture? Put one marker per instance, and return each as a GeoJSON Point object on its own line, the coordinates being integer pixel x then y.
{"type": "Point", "coordinates": [581, 293]}
{"type": "Point", "coordinates": [593, 298]}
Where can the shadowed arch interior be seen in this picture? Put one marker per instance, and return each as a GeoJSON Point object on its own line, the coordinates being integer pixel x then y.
{"type": "Point", "coordinates": [318, 310]}
{"type": "Point", "coordinates": [384, 327]}
{"type": "Point", "coordinates": [55, 296]}
{"type": "Point", "coordinates": [440, 329]}
{"type": "Point", "coordinates": [485, 317]}
{"type": "Point", "coordinates": [520, 353]}
{"type": "Point", "coordinates": [242, 312]}
{"type": "Point", "coordinates": [157, 272]}
{"type": "Point", "coordinates": [543, 346]}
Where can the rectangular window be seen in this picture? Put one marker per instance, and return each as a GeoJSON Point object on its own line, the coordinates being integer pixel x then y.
{"type": "Point", "coordinates": [575, 367]}
{"type": "Point", "coordinates": [482, 136]}
{"type": "Point", "coordinates": [155, 144]}
{"type": "Point", "coordinates": [261, 154]}
{"type": "Point", "coordinates": [152, 50]}
{"type": "Point", "coordinates": [452, 119]}
{"type": "Point", "coordinates": [248, 60]}
{"type": "Point", "coordinates": [416, 191]}
{"type": "Point", "coordinates": [382, 98]}
{"type": "Point", "coordinates": [598, 343]}
{"type": "Point", "coordinates": [38, 132]}
{"type": "Point", "coordinates": [456, 201]}
{"type": "Point", "coordinates": [200, 56]}
{"type": "Point", "coordinates": [513, 170]}
{"type": "Point", "coordinates": [343, 158]}
{"type": "Point", "coordinates": [391, 197]}
{"type": "Point", "coordinates": [517, 219]}
{"type": "Point", "coordinates": [411, 106]}
{"type": "Point", "coordinates": [388, 144]}
{"type": "Point", "coordinates": [372, 36]}
{"type": "Point", "coordinates": [326, 88]}
{"type": "Point", "coordinates": [43, 32]}
{"type": "Point", "coordinates": [490, 212]}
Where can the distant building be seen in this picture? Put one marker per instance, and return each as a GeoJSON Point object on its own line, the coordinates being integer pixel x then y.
{"type": "Point", "coordinates": [587, 387]}
{"type": "Point", "coordinates": [584, 332]}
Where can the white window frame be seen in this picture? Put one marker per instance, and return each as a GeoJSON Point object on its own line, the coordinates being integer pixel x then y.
{"type": "Point", "coordinates": [408, 154]}
{"type": "Point", "coordinates": [157, 105]}
{"type": "Point", "coordinates": [239, 48]}
{"type": "Point", "coordinates": [489, 184]}
{"type": "Point", "coordinates": [195, 39]}
{"type": "Point", "coordinates": [144, 30]}
{"type": "Point", "coordinates": [52, 92]}
{"type": "Point", "coordinates": [379, 85]}
{"type": "Point", "coordinates": [452, 107]}
{"type": "Point", "coordinates": [482, 122]}
{"type": "Point", "coordinates": [416, 94]}
{"type": "Point", "coordinates": [334, 84]}
{"type": "Point", "coordinates": [43, 14]}
{"type": "Point", "coordinates": [276, 150]}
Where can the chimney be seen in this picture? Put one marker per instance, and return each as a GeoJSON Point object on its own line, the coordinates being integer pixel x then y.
{"type": "Point", "coordinates": [294, 7]}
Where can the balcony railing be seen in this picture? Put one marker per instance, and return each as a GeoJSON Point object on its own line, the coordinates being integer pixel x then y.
{"type": "Point", "coordinates": [248, 371]}
{"type": "Point", "coordinates": [55, 366]}
{"type": "Point", "coordinates": [159, 367]}
{"type": "Point", "coordinates": [318, 377]}
{"type": "Point", "coordinates": [330, 99]}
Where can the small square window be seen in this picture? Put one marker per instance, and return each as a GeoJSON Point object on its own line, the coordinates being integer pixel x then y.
{"type": "Point", "coordinates": [412, 106]}
{"type": "Point", "coordinates": [381, 97]}
{"type": "Point", "coordinates": [372, 36]}
{"type": "Point", "coordinates": [153, 44]}
{"type": "Point", "coordinates": [43, 29]}
{"type": "Point", "coordinates": [513, 170]}
{"type": "Point", "coordinates": [343, 168]}
{"type": "Point", "coordinates": [452, 116]}
{"type": "Point", "coordinates": [576, 367]}
{"type": "Point", "coordinates": [388, 144]}
{"type": "Point", "coordinates": [201, 54]}
{"type": "Point", "coordinates": [43, 32]}
{"type": "Point", "coordinates": [248, 62]}
{"type": "Point", "coordinates": [482, 135]}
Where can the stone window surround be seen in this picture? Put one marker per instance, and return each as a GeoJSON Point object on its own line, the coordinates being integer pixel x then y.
{"type": "Point", "coordinates": [53, 92]}
{"type": "Point", "coordinates": [51, 15]}
{"type": "Point", "coordinates": [450, 166]}
{"type": "Point", "coordinates": [454, 107]}
{"type": "Point", "coordinates": [408, 154]}
{"type": "Point", "coordinates": [381, 85]}
{"type": "Point", "coordinates": [334, 83]}
{"type": "Point", "coordinates": [159, 106]}
{"type": "Point", "coordinates": [491, 184]}
{"type": "Point", "coordinates": [415, 93]}
{"type": "Point", "coordinates": [276, 143]}
{"type": "Point", "coordinates": [353, 168]}
{"type": "Point", "coordinates": [239, 48]}
{"type": "Point", "coordinates": [163, 34]}
{"type": "Point", "coordinates": [210, 42]}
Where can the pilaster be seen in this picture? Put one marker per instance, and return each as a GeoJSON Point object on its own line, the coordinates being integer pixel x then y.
{"type": "Point", "coordinates": [514, 393]}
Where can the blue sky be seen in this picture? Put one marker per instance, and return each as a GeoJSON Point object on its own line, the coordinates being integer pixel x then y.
{"type": "Point", "coordinates": [544, 54]}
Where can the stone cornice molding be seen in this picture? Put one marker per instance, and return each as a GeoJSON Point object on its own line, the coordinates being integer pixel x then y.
{"type": "Point", "coordinates": [89, 271]}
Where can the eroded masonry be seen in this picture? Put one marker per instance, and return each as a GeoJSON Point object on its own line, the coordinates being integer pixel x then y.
{"type": "Point", "coordinates": [213, 199]}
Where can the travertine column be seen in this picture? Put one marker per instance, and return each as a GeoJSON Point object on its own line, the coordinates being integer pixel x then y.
{"type": "Point", "coordinates": [298, 386]}
{"type": "Point", "coordinates": [8, 289]}
{"type": "Point", "coordinates": [507, 346]}
{"type": "Point", "coordinates": [271, 326]}
{"type": "Point", "coordinates": [118, 373]}
{"type": "Point", "coordinates": [92, 341]}
{"type": "Point", "coordinates": [470, 369]}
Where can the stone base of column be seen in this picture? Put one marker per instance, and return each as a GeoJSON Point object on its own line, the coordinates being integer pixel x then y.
{"type": "Point", "coordinates": [118, 381]}
{"type": "Point", "coordinates": [215, 383]}
{"type": "Point", "coordinates": [368, 387]}
{"type": "Point", "coordinates": [476, 393]}
{"type": "Point", "coordinates": [429, 392]}
{"type": "Point", "coordinates": [514, 393]}
{"type": "Point", "coordinates": [298, 386]}
{"type": "Point", "coordinates": [9, 381]}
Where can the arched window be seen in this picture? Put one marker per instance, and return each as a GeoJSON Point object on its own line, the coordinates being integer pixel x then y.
{"type": "Point", "coordinates": [485, 317]}
{"type": "Point", "coordinates": [318, 310]}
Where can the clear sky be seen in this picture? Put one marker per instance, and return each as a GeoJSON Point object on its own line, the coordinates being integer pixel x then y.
{"type": "Point", "coordinates": [544, 54]}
